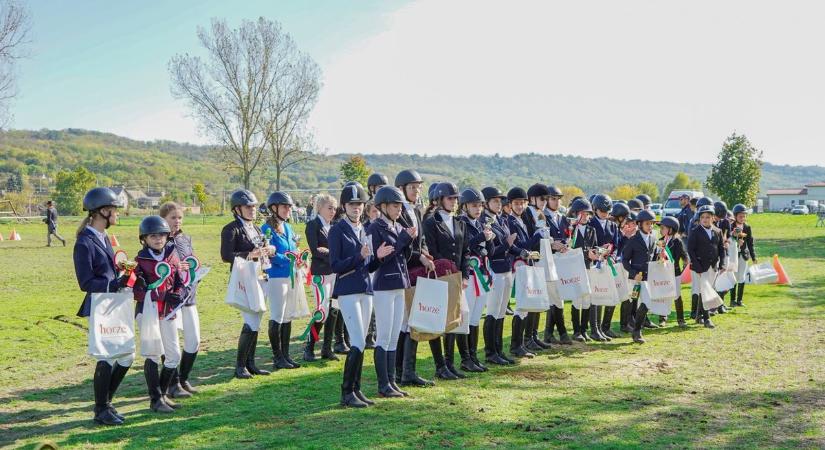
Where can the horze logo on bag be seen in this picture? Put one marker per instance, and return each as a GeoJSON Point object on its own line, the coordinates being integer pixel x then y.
{"type": "Point", "coordinates": [534, 291]}
{"type": "Point", "coordinates": [117, 330]}
{"type": "Point", "coordinates": [600, 290]}
{"type": "Point", "coordinates": [658, 283]}
{"type": "Point", "coordinates": [428, 308]}
{"type": "Point", "coordinates": [241, 287]}
{"type": "Point", "coordinates": [574, 280]}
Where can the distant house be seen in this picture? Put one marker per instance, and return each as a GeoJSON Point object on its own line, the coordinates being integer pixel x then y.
{"type": "Point", "coordinates": [120, 191]}
{"type": "Point", "coordinates": [782, 199]}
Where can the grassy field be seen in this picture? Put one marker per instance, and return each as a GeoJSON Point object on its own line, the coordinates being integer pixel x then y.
{"type": "Point", "coordinates": [756, 381]}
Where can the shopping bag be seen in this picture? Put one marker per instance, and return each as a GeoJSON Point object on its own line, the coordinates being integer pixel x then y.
{"type": "Point", "coordinates": [547, 262]}
{"type": "Point", "coordinates": [111, 325]}
{"type": "Point", "coordinates": [464, 324]}
{"type": "Point", "coordinates": [531, 289]}
{"type": "Point", "coordinates": [150, 342]}
{"type": "Point", "coordinates": [428, 312]}
{"type": "Point", "coordinates": [761, 274]}
{"type": "Point", "coordinates": [454, 294]}
{"type": "Point", "coordinates": [656, 306]}
{"type": "Point", "coordinates": [235, 291]}
{"type": "Point", "coordinates": [573, 280]}
{"type": "Point", "coordinates": [245, 291]}
{"type": "Point", "coordinates": [661, 281]}
{"type": "Point", "coordinates": [602, 286]}
{"type": "Point", "coordinates": [553, 294]}
{"type": "Point", "coordinates": [297, 307]}
{"type": "Point", "coordinates": [710, 299]}
{"type": "Point", "coordinates": [732, 256]}
{"type": "Point", "coordinates": [620, 280]}
{"type": "Point", "coordinates": [725, 281]}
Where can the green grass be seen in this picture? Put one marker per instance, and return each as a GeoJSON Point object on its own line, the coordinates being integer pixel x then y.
{"type": "Point", "coordinates": [755, 381]}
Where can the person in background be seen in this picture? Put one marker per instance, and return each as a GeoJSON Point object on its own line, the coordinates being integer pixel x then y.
{"type": "Point", "coordinates": [51, 224]}
{"type": "Point", "coordinates": [744, 238]}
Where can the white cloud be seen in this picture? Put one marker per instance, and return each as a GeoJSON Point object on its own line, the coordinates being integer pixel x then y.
{"type": "Point", "coordinates": [630, 79]}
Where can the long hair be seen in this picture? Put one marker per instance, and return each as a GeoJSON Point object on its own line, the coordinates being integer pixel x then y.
{"type": "Point", "coordinates": [83, 224]}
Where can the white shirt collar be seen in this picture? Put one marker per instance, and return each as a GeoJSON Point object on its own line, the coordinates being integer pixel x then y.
{"type": "Point", "coordinates": [100, 235]}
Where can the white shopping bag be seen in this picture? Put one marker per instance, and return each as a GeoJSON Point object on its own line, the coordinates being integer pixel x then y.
{"type": "Point", "coordinates": [553, 294]}
{"type": "Point", "coordinates": [573, 280]}
{"type": "Point", "coordinates": [732, 256]}
{"type": "Point", "coordinates": [656, 306]}
{"type": "Point", "coordinates": [296, 307]}
{"type": "Point", "coordinates": [428, 313]}
{"type": "Point", "coordinates": [761, 274]}
{"type": "Point", "coordinates": [622, 288]}
{"type": "Point", "coordinates": [244, 291]}
{"type": "Point", "coordinates": [661, 280]}
{"type": "Point", "coordinates": [531, 289]}
{"type": "Point", "coordinates": [725, 281]}
{"type": "Point", "coordinates": [111, 325]}
{"type": "Point", "coordinates": [547, 262]}
{"type": "Point", "coordinates": [150, 342]}
{"type": "Point", "coordinates": [602, 286]}
{"type": "Point", "coordinates": [464, 326]}
{"type": "Point", "coordinates": [710, 298]}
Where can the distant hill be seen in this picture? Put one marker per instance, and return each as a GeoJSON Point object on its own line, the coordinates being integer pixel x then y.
{"type": "Point", "coordinates": [174, 167]}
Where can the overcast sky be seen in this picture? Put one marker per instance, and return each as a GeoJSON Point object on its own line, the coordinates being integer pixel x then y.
{"type": "Point", "coordinates": [627, 79]}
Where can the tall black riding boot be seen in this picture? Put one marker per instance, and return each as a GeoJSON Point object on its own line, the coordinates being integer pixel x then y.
{"type": "Point", "coordinates": [156, 403]}
{"type": "Point", "coordinates": [348, 397]}
{"type": "Point", "coordinates": [624, 317]}
{"type": "Point", "coordinates": [408, 375]}
{"type": "Point", "coordinates": [549, 324]}
{"type": "Point", "coordinates": [370, 337]}
{"type": "Point", "coordinates": [175, 390]}
{"type": "Point", "coordinates": [694, 305]}
{"type": "Point", "coordinates": [700, 310]}
{"type": "Point", "coordinates": [251, 366]}
{"type": "Point", "coordinates": [441, 369]}
{"type": "Point", "coordinates": [380, 360]}
{"type": "Point", "coordinates": [326, 344]}
{"type": "Point", "coordinates": [558, 318]}
{"type": "Point", "coordinates": [341, 346]}
{"type": "Point", "coordinates": [464, 342]}
{"type": "Point", "coordinates": [309, 345]}
{"type": "Point", "coordinates": [472, 342]}
{"type": "Point", "coordinates": [392, 377]}
{"type": "Point", "coordinates": [278, 360]}
{"type": "Point", "coordinates": [357, 384]}
{"type": "Point", "coordinates": [517, 339]}
{"type": "Point", "coordinates": [118, 373]}
{"type": "Point", "coordinates": [680, 312]}
{"type": "Point", "coordinates": [705, 315]}
{"type": "Point", "coordinates": [607, 321]}
{"type": "Point", "coordinates": [739, 293]}
{"type": "Point", "coordinates": [585, 319]}
{"type": "Point", "coordinates": [102, 380]}
{"type": "Point", "coordinates": [490, 342]}
{"type": "Point", "coordinates": [575, 316]}
{"type": "Point", "coordinates": [593, 316]}
{"type": "Point", "coordinates": [534, 332]}
{"type": "Point", "coordinates": [286, 332]}
{"type": "Point", "coordinates": [634, 306]}
{"type": "Point", "coordinates": [449, 354]}
{"type": "Point", "coordinates": [399, 357]}
{"type": "Point", "coordinates": [527, 332]}
{"type": "Point", "coordinates": [499, 345]}
{"type": "Point", "coordinates": [166, 375]}
{"type": "Point", "coordinates": [641, 313]}
{"type": "Point", "coordinates": [243, 351]}
{"type": "Point", "coordinates": [187, 361]}
{"type": "Point", "coordinates": [733, 296]}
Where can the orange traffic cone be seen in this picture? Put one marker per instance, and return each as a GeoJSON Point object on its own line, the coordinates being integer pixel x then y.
{"type": "Point", "coordinates": [113, 240]}
{"type": "Point", "coordinates": [686, 276]}
{"type": "Point", "coordinates": [1, 236]}
{"type": "Point", "coordinates": [14, 236]}
{"type": "Point", "coordinates": [782, 276]}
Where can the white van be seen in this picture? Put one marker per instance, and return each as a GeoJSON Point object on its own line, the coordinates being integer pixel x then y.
{"type": "Point", "coordinates": [672, 206]}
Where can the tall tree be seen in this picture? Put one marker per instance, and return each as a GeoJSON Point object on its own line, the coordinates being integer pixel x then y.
{"type": "Point", "coordinates": [227, 90]}
{"type": "Point", "coordinates": [355, 169]}
{"type": "Point", "coordinates": [295, 88]}
{"type": "Point", "coordinates": [570, 192]}
{"type": "Point", "coordinates": [70, 188]}
{"type": "Point", "coordinates": [624, 192]}
{"type": "Point", "coordinates": [646, 187]}
{"type": "Point", "coordinates": [736, 174]}
{"type": "Point", "coordinates": [14, 29]}
{"type": "Point", "coordinates": [682, 182]}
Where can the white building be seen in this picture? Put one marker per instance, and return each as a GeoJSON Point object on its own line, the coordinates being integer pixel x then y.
{"type": "Point", "coordinates": [783, 199]}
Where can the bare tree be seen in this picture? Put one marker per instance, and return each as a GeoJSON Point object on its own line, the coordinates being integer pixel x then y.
{"type": "Point", "coordinates": [296, 84]}
{"type": "Point", "coordinates": [228, 90]}
{"type": "Point", "coordinates": [14, 29]}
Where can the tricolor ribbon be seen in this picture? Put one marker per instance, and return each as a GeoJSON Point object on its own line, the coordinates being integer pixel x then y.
{"type": "Point", "coordinates": [479, 281]}
{"type": "Point", "coordinates": [317, 316]}
{"type": "Point", "coordinates": [612, 267]}
{"type": "Point", "coordinates": [162, 270]}
{"type": "Point", "coordinates": [669, 254]}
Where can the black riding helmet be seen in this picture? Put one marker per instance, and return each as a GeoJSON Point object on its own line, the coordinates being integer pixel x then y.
{"type": "Point", "coordinates": [739, 208]}
{"type": "Point", "coordinates": [278, 198]}
{"type": "Point", "coordinates": [353, 192]}
{"type": "Point", "coordinates": [388, 194]}
{"type": "Point", "coordinates": [580, 205]}
{"type": "Point", "coordinates": [378, 180]}
{"type": "Point", "coordinates": [100, 197]}
{"type": "Point", "coordinates": [516, 193]}
{"type": "Point", "coordinates": [645, 199]}
{"type": "Point", "coordinates": [538, 190]}
{"type": "Point", "coordinates": [704, 201]}
{"type": "Point", "coordinates": [635, 203]}
{"type": "Point", "coordinates": [406, 177]}
{"type": "Point", "coordinates": [470, 195]}
{"type": "Point", "coordinates": [602, 202]}
{"type": "Point", "coordinates": [705, 209]}
{"type": "Point", "coordinates": [645, 216]}
{"type": "Point", "coordinates": [153, 225]}
{"type": "Point", "coordinates": [671, 223]}
{"type": "Point", "coordinates": [445, 190]}
{"type": "Point", "coordinates": [554, 191]}
{"type": "Point", "coordinates": [242, 197]}
{"type": "Point", "coordinates": [492, 192]}
{"type": "Point", "coordinates": [720, 209]}
{"type": "Point", "coordinates": [620, 210]}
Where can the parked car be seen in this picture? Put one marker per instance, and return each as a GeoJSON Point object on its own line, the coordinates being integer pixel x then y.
{"type": "Point", "coordinates": [800, 209]}
{"type": "Point", "coordinates": [657, 209]}
{"type": "Point", "coordinates": [672, 206]}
